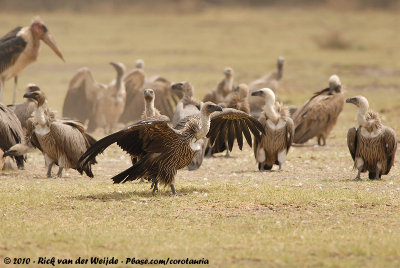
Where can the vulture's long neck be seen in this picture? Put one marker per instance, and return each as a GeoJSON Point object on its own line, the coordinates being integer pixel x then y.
{"type": "Point", "coordinates": [228, 84]}
{"type": "Point", "coordinates": [149, 107]}
{"type": "Point", "coordinates": [362, 114]}
{"type": "Point", "coordinates": [204, 125]}
{"type": "Point", "coordinates": [270, 111]}
{"type": "Point", "coordinates": [280, 72]}
{"type": "Point", "coordinates": [40, 116]}
{"type": "Point", "coordinates": [118, 84]}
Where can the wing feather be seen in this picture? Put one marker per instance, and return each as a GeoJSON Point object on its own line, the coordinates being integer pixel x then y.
{"type": "Point", "coordinates": [352, 141]}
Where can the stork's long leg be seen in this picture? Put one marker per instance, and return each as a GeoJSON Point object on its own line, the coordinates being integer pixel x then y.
{"type": "Point", "coordinates": [15, 89]}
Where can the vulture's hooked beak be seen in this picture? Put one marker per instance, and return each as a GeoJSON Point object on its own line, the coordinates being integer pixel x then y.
{"type": "Point", "coordinates": [11, 153]}
{"type": "Point", "coordinates": [177, 86]}
{"type": "Point", "coordinates": [31, 95]}
{"type": "Point", "coordinates": [236, 89]}
{"type": "Point", "coordinates": [51, 42]}
{"type": "Point", "coordinates": [148, 93]}
{"type": "Point", "coordinates": [217, 108]}
{"type": "Point", "coordinates": [352, 100]}
{"type": "Point", "coordinates": [258, 93]}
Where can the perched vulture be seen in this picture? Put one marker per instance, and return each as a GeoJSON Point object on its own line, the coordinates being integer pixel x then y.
{"type": "Point", "coordinates": [110, 103]}
{"type": "Point", "coordinates": [187, 107]}
{"type": "Point", "coordinates": [20, 47]}
{"type": "Point", "coordinates": [164, 150]}
{"type": "Point", "coordinates": [372, 145]}
{"type": "Point", "coordinates": [25, 109]}
{"type": "Point", "coordinates": [318, 116]}
{"type": "Point", "coordinates": [10, 132]}
{"type": "Point", "coordinates": [271, 81]}
{"type": "Point", "coordinates": [237, 99]}
{"type": "Point", "coordinates": [165, 97]}
{"type": "Point", "coordinates": [279, 132]}
{"type": "Point", "coordinates": [223, 89]}
{"type": "Point", "coordinates": [61, 141]}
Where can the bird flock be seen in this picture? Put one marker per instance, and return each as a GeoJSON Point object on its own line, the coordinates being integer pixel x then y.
{"type": "Point", "coordinates": [166, 128]}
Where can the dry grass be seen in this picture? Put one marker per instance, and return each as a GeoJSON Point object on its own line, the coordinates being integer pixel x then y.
{"type": "Point", "coordinates": [310, 214]}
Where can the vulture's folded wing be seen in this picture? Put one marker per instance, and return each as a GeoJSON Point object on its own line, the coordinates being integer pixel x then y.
{"type": "Point", "coordinates": [231, 124]}
{"type": "Point", "coordinates": [352, 141]}
{"type": "Point", "coordinates": [31, 136]}
{"type": "Point", "coordinates": [390, 143]}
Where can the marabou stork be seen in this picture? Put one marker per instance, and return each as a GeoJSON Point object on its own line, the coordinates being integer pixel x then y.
{"type": "Point", "coordinates": [20, 47]}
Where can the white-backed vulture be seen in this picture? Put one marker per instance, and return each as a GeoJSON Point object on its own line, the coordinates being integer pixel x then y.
{"type": "Point", "coordinates": [81, 96]}
{"type": "Point", "coordinates": [20, 47]}
{"type": "Point", "coordinates": [61, 141]}
{"type": "Point", "coordinates": [164, 150]}
{"type": "Point", "coordinates": [318, 116]}
{"type": "Point", "coordinates": [110, 103]}
{"type": "Point", "coordinates": [237, 99]}
{"type": "Point", "coordinates": [165, 97]}
{"type": "Point", "coordinates": [25, 109]}
{"type": "Point", "coordinates": [372, 145]}
{"type": "Point", "coordinates": [271, 81]}
{"type": "Point", "coordinates": [11, 132]}
{"type": "Point", "coordinates": [279, 132]}
{"type": "Point", "coordinates": [223, 89]}
{"type": "Point", "coordinates": [186, 107]}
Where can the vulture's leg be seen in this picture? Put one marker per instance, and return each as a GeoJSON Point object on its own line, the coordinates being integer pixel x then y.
{"type": "Point", "coordinates": [209, 153]}
{"type": "Point", "coordinates": [359, 163]}
{"type": "Point", "coordinates": [280, 166]}
{"type": "Point", "coordinates": [15, 89]}
{"type": "Point", "coordinates": [59, 173]}
{"type": "Point", "coordinates": [173, 189]}
{"type": "Point", "coordinates": [49, 170]}
{"type": "Point", "coordinates": [260, 166]}
{"type": "Point", "coordinates": [378, 171]}
{"type": "Point", "coordinates": [358, 177]}
{"type": "Point", "coordinates": [20, 162]}
{"type": "Point", "coordinates": [154, 185]}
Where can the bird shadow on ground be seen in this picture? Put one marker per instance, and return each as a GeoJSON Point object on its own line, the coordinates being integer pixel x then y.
{"type": "Point", "coordinates": [119, 195]}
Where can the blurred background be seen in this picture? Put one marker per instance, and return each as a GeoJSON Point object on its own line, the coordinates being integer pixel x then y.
{"type": "Point", "coordinates": [194, 40]}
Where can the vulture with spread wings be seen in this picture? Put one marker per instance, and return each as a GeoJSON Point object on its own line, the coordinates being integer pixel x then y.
{"type": "Point", "coordinates": [164, 150]}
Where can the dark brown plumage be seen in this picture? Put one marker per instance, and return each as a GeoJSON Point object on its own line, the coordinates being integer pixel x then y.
{"type": "Point", "coordinates": [279, 132]}
{"type": "Point", "coordinates": [372, 145]}
{"type": "Point", "coordinates": [271, 81]}
{"type": "Point", "coordinates": [61, 141]}
{"type": "Point", "coordinates": [10, 132]}
{"type": "Point", "coordinates": [164, 150]}
{"type": "Point", "coordinates": [318, 116]}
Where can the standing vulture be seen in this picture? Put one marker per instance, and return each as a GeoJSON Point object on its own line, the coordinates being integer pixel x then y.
{"type": "Point", "coordinates": [187, 107]}
{"type": "Point", "coordinates": [25, 109]}
{"type": "Point", "coordinates": [372, 145]}
{"type": "Point", "coordinates": [110, 103]}
{"type": "Point", "coordinates": [279, 132]}
{"type": "Point", "coordinates": [164, 150]}
{"type": "Point", "coordinates": [318, 116]}
{"type": "Point", "coordinates": [271, 81]}
{"type": "Point", "coordinates": [10, 132]}
{"type": "Point", "coordinates": [20, 47]}
{"type": "Point", "coordinates": [223, 89]}
{"type": "Point", "coordinates": [61, 141]}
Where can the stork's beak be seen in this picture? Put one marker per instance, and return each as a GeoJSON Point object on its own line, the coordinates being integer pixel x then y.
{"type": "Point", "coordinates": [257, 93]}
{"type": "Point", "coordinates": [352, 100]}
{"type": "Point", "coordinates": [51, 42]}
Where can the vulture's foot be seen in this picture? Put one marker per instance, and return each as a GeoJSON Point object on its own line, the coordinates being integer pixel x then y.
{"type": "Point", "coordinates": [173, 191]}
{"type": "Point", "coordinates": [154, 186]}
{"type": "Point", "coordinates": [59, 173]}
{"type": "Point", "coordinates": [49, 170]}
{"type": "Point", "coordinates": [280, 167]}
{"type": "Point", "coordinates": [227, 154]}
{"type": "Point", "coordinates": [358, 177]}
{"type": "Point", "coordinates": [209, 153]}
{"type": "Point", "coordinates": [323, 143]}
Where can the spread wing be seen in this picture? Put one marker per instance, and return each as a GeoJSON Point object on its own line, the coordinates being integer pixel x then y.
{"type": "Point", "coordinates": [231, 124]}
{"type": "Point", "coordinates": [390, 143]}
{"type": "Point", "coordinates": [11, 46]}
{"type": "Point", "coordinates": [352, 141]}
{"type": "Point", "coordinates": [147, 136]}
{"type": "Point", "coordinates": [81, 95]}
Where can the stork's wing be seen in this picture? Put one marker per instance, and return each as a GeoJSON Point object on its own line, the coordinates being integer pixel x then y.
{"type": "Point", "coordinates": [231, 124]}
{"type": "Point", "coordinates": [352, 141]}
{"type": "Point", "coordinates": [390, 143]}
{"type": "Point", "coordinates": [137, 139]}
{"type": "Point", "coordinates": [81, 95]}
{"type": "Point", "coordinates": [11, 34]}
{"type": "Point", "coordinates": [10, 49]}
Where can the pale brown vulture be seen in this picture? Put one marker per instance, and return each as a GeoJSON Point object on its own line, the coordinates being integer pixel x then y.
{"type": "Point", "coordinates": [372, 145]}
{"type": "Point", "coordinates": [279, 132]}
{"type": "Point", "coordinates": [223, 89]}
